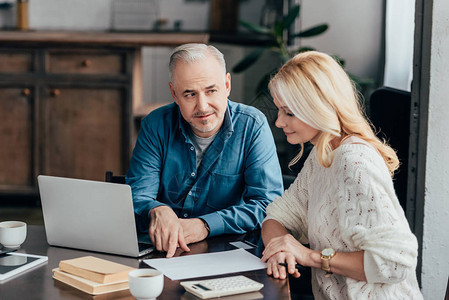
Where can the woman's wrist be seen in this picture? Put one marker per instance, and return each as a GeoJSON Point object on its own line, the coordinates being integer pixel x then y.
{"type": "Point", "coordinates": [314, 259]}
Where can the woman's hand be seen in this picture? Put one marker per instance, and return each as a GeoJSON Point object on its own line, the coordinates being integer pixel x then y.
{"type": "Point", "coordinates": [278, 271]}
{"type": "Point", "coordinates": [287, 243]}
{"type": "Point", "coordinates": [282, 247]}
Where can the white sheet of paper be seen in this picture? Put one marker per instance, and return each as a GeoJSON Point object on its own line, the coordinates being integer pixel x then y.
{"type": "Point", "coordinates": [208, 264]}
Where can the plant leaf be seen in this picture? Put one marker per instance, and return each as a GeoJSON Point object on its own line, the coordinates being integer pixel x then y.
{"type": "Point", "coordinates": [304, 49]}
{"type": "Point", "coordinates": [262, 86]}
{"type": "Point", "coordinates": [255, 28]}
{"type": "Point", "coordinates": [248, 61]}
{"type": "Point", "coordinates": [361, 82]}
{"type": "Point", "coordinates": [278, 29]}
{"type": "Point", "coordinates": [293, 13]}
{"type": "Point", "coordinates": [314, 31]}
{"type": "Point", "coordinates": [340, 60]}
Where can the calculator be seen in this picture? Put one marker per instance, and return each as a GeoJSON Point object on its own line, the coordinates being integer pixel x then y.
{"type": "Point", "coordinates": [218, 287]}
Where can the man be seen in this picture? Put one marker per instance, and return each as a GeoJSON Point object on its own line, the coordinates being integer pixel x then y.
{"type": "Point", "coordinates": [202, 166]}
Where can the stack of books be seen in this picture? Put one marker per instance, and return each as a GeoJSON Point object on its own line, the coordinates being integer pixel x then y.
{"type": "Point", "coordinates": [93, 275]}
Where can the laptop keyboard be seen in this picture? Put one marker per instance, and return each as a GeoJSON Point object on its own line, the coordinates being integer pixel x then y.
{"type": "Point", "coordinates": [144, 246]}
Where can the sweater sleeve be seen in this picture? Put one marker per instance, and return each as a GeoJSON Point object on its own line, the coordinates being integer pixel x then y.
{"type": "Point", "coordinates": [370, 215]}
{"type": "Point", "coordinates": [290, 209]}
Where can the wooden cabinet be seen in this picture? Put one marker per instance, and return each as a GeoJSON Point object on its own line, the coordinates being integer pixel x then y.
{"type": "Point", "coordinates": [83, 132]}
{"type": "Point", "coordinates": [67, 103]}
{"type": "Point", "coordinates": [63, 112]}
{"type": "Point", "coordinates": [16, 137]}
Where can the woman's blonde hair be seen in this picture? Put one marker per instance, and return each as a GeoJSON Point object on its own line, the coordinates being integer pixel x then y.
{"type": "Point", "coordinates": [320, 93]}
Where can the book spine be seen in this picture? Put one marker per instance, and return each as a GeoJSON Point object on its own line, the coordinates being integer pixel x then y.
{"type": "Point", "coordinates": [92, 288]}
{"type": "Point", "coordinates": [97, 277]}
{"type": "Point", "coordinates": [79, 285]}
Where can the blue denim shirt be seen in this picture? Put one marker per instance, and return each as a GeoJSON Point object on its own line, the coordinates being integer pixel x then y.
{"type": "Point", "coordinates": [238, 177]}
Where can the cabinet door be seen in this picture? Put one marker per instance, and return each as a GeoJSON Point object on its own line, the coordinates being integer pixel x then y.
{"type": "Point", "coordinates": [16, 138]}
{"type": "Point", "coordinates": [83, 133]}
{"type": "Point", "coordinates": [15, 63]}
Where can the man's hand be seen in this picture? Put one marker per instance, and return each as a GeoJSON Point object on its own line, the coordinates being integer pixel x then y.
{"type": "Point", "coordinates": [166, 231]}
{"type": "Point", "coordinates": [194, 230]}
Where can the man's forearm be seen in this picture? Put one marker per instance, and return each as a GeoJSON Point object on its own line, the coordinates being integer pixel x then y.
{"type": "Point", "coordinates": [236, 219]}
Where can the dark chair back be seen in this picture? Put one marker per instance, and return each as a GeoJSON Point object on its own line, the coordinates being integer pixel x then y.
{"type": "Point", "coordinates": [390, 114]}
{"type": "Point", "coordinates": [287, 180]}
{"type": "Point", "coordinates": [110, 177]}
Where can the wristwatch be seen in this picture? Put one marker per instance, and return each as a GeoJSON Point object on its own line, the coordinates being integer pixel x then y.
{"type": "Point", "coordinates": [206, 226]}
{"type": "Point", "coordinates": [326, 256]}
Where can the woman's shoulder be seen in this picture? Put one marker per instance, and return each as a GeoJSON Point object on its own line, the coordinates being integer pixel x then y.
{"type": "Point", "coordinates": [354, 147]}
{"type": "Point", "coordinates": [357, 153]}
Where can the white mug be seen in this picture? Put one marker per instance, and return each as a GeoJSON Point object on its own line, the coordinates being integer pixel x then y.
{"type": "Point", "coordinates": [12, 233]}
{"type": "Point", "coordinates": [12, 260]}
{"type": "Point", "coordinates": [145, 283]}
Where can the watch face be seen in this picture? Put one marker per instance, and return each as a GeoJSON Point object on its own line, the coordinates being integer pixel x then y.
{"type": "Point", "coordinates": [328, 252]}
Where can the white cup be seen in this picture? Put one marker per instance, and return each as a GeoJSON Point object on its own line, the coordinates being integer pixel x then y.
{"type": "Point", "coordinates": [12, 260]}
{"type": "Point", "coordinates": [146, 283]}
{"type": "Point", "coordinates": [12, 233]}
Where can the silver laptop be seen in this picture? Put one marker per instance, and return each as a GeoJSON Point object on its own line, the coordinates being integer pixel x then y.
{"type": "Point", "coordinates": [90, 215]}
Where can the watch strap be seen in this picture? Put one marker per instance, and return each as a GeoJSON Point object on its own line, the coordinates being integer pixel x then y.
{"type": "Point", "coordinates": [325, 264]}
{"type": "Point", "coordinates": [206, 226]}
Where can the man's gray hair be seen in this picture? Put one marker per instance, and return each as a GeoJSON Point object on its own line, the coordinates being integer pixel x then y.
{"type": "Point", "coordinates": [194, 52]}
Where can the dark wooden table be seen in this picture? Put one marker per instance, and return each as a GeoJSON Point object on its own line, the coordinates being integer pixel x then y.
{"type": "Point", "coordinates": [39, 284]}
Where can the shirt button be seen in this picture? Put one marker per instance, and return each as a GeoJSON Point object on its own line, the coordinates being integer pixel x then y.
{"type": "Point", "coordinates": [186, 215]}
{"type": "Point", "coordinates": [192, 174]}
{"type": "Point", "coordinates": [191, 148]}
{"type": "Point", "coordinates": [190, 193]}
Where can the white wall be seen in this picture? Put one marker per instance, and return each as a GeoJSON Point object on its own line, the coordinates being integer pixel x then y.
{"type": "Point", "coordinates": [355, 31]}
{"type": "Point", "coordinates": [96, 14]}
{"type": "Point", "coordinates": [435, 270]}
{"type": "Point", "coordinates": [354, 34]}
{"type": "Point", "coordinates": [400, 25]}
{"type": "Point", "coordinates": [72, 15]}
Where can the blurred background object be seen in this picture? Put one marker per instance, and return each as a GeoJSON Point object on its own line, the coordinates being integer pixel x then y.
{"type": "Point", "coordinates": [271, 12]}
{"type": "Point", "coordinates": [135, 14]}
{"type": "Point", "coordinates": [224, 15]}
{"type": "Point", "coordinates": [7, 15]}
{"type": "Point", "coordinates": [22, 15]}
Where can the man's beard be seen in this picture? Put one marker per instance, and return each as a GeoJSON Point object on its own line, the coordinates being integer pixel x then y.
{"type": "Point", "coordinates": [206, 129]}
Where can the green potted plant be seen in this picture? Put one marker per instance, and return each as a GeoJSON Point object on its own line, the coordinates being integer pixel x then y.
{"type": "Point", "coordinates": [278, 37]}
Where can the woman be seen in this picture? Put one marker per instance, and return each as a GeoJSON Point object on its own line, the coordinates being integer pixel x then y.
{"type": "Point", "coordinates": [343, 202]}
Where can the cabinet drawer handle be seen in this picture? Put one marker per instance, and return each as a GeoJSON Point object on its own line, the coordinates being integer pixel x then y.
{"type": "Point", "coordinates": [86, 63]}
{"type": "Point", "coordinates": [55, 92]}
{"type": "Point", "coordinates": [26, 92]}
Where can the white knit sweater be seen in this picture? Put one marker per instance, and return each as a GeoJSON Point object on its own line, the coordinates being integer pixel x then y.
{"type": "Point", "coordinates": [352, 206]}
